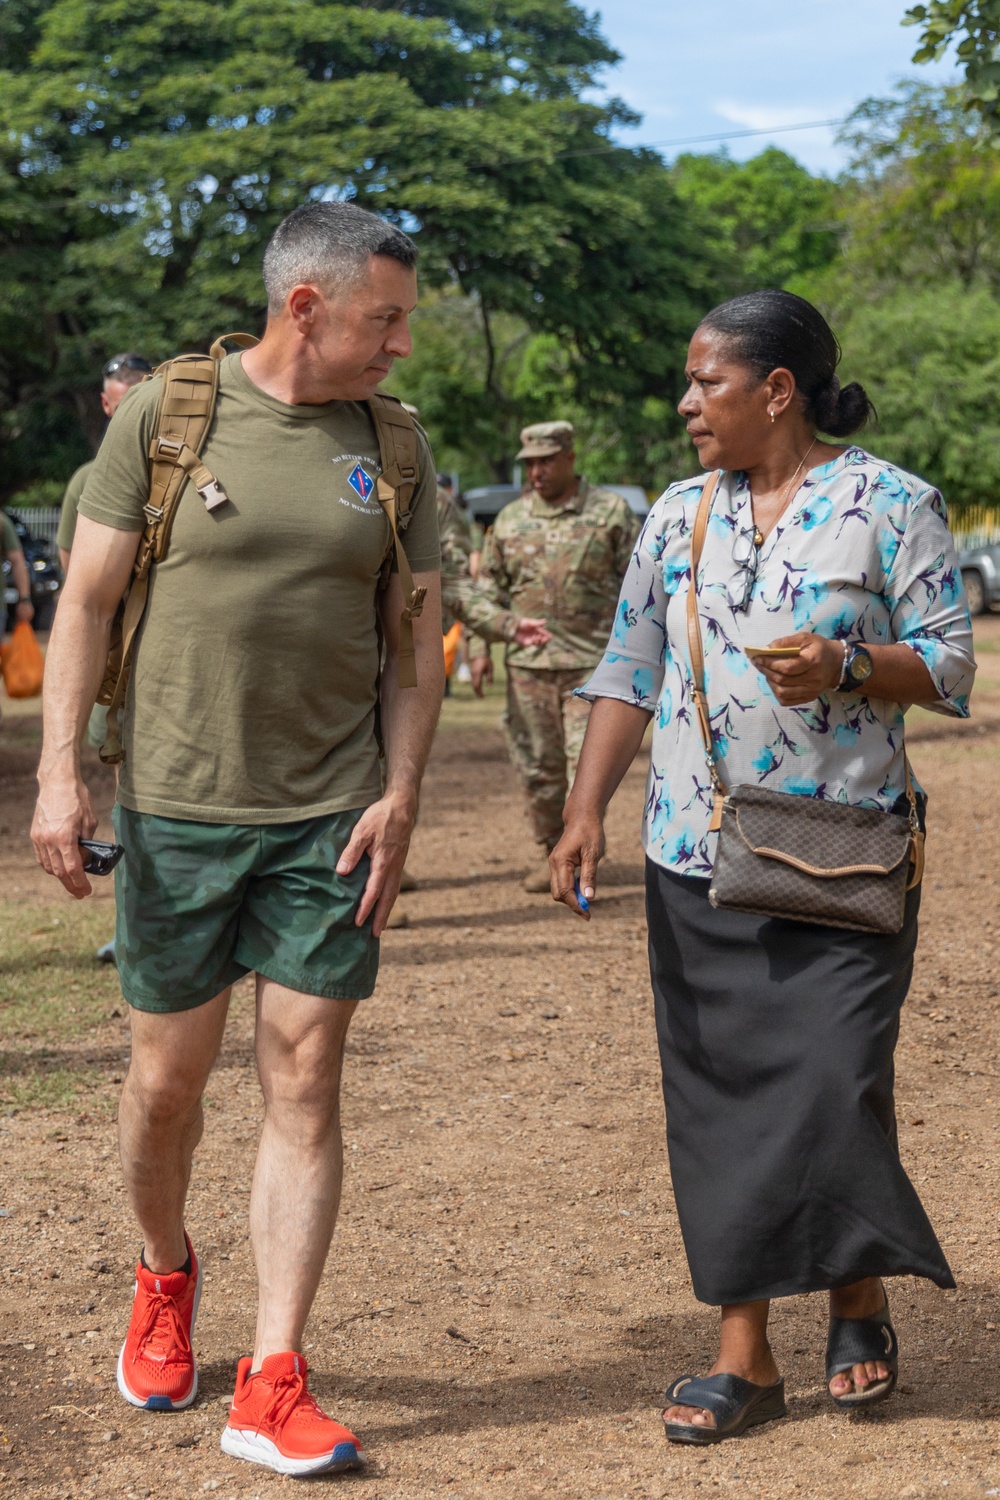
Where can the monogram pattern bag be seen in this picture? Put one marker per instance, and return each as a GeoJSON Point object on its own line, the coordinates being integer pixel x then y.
{"type": "Point", "coordinates": [800, 858]}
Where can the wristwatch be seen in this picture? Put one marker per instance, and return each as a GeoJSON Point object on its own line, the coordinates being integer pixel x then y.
{"type": "Point", "coordinates": [858, 666]}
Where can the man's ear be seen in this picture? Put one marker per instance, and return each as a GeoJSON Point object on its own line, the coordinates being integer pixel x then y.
{"type": "Point", "coordinates": [105, 404]}
{"type": "Point", "coordinates": [302, 305]}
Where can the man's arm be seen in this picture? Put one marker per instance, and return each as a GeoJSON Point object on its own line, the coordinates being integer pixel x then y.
{"type": "Point", "coordinates": [22, 582]}
{"type": "Point", "coordinates": [409, 718]}
{"type": "Point", "coordinates": [74, 666]}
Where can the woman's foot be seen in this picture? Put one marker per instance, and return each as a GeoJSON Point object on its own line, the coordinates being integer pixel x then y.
{"type": "Point", "coordinates": [862, 1300]}
{"type": "Point", "coordinates": [759, 1370]}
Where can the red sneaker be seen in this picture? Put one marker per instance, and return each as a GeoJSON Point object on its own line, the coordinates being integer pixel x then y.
{"type": "Point", "coordinates": [275, 1422]}
{"type": "Point", "coordinates": [156, 1366]}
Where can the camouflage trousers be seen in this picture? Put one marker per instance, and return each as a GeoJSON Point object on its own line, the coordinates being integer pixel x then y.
{"type": "Point", "coordinates": [545, 725]}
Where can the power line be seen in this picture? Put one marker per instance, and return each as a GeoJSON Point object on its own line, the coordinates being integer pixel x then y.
{"type": "Point", "coordinates": [701, 140]}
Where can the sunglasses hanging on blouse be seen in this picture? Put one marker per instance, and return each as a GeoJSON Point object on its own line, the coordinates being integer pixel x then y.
{"type": "Point", "coordinates": [746, 555]}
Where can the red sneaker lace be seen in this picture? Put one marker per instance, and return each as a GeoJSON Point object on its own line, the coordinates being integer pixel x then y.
{"type": "Point", "coordinates": [290, 1391]}
{"type": "Point", "coordinates": [162, 1329]}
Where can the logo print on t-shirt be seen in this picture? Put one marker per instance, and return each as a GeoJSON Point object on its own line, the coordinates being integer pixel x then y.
{"type": "Point", "coordinates": [361, 483]}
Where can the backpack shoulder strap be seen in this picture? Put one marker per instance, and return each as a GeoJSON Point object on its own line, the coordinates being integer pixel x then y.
{"type": "Point", "coordinates": [398, 451]}
{"type": "Point", "coordinates": [184, 415]}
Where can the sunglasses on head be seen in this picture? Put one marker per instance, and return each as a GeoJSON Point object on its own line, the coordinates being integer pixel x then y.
{"type": "Point", "coordinates": [126, 362]}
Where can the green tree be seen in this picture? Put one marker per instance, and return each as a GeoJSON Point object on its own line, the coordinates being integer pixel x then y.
{"type": "Point", "coordinates": [760, 222]}
{"type": "Point", "coordinates": [925, 203]}
{"type": "Point", "coordinates": [148, 148]}
{"type": "Point", "coordinates": [973, 27]}
{"type": "Point", "coordinates": [930, 359]}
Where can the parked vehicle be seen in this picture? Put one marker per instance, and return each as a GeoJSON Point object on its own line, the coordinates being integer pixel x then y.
{"type": "Point", "coordinates": [485, 503]}
{"type": "Point", "coordinates": [981, 575]}
{"type": "Point", "coordinates": [44, 573]}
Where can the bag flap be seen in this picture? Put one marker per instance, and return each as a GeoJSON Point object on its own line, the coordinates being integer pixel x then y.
{"type": "Point", "coordinates": [824, 839]}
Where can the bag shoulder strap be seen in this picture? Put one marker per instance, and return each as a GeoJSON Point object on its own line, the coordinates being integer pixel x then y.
{"type": "Point", "coordinates": [398, 453]}
{"type": "Point", "coordinates": [184, 415]}
{"type": "Point", "coordinates": [696, 652]}
{"type": "Point", "coordinates": [696, 649]}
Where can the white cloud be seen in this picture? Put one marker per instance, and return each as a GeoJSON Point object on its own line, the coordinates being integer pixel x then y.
{"type": "Point", "coordinates": [775, 116]}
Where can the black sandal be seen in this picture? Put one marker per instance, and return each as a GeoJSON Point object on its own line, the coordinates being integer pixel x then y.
{"type": "Point", "coordinates": [860, 1341]}
{"type": "Point", "coordinates": [736, 1404]}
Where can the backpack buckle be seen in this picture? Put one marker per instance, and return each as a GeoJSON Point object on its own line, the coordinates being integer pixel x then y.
{"type": "Point", "coordinates": [153, 513]}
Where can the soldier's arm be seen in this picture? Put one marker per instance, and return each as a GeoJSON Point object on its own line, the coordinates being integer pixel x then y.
{"type": "Point", "coordinates": [475, 608]}
{"type": "Point", "coordinates": [492, 585]}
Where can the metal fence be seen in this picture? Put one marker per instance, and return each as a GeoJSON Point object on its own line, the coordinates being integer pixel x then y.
{"type": "Point", "coordinates": [974, 525]}
{"type": "Point", "coordinates": [41, 521]}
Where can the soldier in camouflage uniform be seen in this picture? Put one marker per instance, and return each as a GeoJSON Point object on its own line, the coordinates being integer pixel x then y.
{"type": "Point", "coordinates": [560, 551]}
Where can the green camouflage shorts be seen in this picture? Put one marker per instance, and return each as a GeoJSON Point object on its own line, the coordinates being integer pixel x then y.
{"type": "Point", "coordinates": [201, 904]}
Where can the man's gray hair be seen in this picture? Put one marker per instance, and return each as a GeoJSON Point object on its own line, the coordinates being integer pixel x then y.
{"type": "Point", "coordinates": [329, 244]}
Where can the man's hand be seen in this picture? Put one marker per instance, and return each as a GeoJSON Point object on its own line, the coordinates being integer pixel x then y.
{"type": "Point", "coordinates": [801, 679]}
{"type": "Point", "coordinates": [481, 671]}
{"type": "Point", "coordinates": [383, 833]}
{"type": "Point", "coordinates": [25, 611]}
{"type": "Point", "coordinates": [580, 848]}
{"type": "Point", "coordinates": [532, 633]}
{"type": "Point", "coordinates": [63, 814]}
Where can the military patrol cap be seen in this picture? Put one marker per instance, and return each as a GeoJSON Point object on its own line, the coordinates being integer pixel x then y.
{"type": "Point", "coordinates": [545, 439]}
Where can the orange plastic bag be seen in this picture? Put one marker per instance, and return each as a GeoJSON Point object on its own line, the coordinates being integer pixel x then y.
{"type": "Point", "coordinates": [22, 663]}
{"type": "Point", "coordinates": [452, 641]}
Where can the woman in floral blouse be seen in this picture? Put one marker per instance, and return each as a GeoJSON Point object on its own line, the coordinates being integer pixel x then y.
{"type": "Point", "coordinates": [777, 1037]}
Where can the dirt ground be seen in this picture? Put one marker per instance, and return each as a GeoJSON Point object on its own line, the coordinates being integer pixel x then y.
{"type": "Point", "coordinates": [507, 1295]}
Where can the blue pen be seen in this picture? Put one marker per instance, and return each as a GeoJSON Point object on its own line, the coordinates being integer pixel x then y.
{"type": "Point", "coordinates": [582, 901]}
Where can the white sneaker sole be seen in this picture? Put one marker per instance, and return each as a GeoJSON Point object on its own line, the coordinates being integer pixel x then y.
{"type": "Point", "coordinates": [161, 1403]}
{"type": "Point", "coordinates": [257, 1449]}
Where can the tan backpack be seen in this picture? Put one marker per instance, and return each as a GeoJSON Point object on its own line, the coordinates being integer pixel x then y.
{"type": "Point", "coordinates": [183, 416]}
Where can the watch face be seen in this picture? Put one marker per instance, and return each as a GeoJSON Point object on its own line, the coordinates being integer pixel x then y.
{"type": "Point", "coordinates": [859, 668]}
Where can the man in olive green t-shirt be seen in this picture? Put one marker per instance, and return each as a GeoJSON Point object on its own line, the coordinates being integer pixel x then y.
{"type": "Point", "coordinates": [121, 372]}
{"type": "Point", "coordinates": [262, 831]}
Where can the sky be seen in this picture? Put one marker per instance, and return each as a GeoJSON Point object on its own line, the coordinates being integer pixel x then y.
{"type": "Point", "coordinates": [698, 67]}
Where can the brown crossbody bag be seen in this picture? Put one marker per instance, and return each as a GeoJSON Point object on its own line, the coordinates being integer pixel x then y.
{"type": "Point", "coordinates": [796, 857]}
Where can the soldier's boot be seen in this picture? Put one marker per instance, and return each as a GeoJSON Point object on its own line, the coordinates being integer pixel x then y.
{"type": "Point", "coordinates": [537, 882]}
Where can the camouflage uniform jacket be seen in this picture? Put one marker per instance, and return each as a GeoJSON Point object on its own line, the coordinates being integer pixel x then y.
{"type": "Point", "coordinates": [460, 599]}
{"type": "Point", "coordinates": [563, 563]}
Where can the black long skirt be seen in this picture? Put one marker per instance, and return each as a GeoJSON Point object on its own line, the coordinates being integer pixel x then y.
{"type": "Point", "coordinates": [776, 1042]}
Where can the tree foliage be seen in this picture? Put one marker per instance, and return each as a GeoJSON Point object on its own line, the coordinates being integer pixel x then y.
{"type": "Point", "coordinates": [973, 26]}
{"type": "Point", "coordinates": [758, 223]}
{"type": "Point", "coordinates": [149, 147]}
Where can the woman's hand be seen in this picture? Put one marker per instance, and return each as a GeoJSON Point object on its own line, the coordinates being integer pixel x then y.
{"type": "Point", "coordinates": [797, 680]}
{"type": "Point", "coordinates": [580, 848]}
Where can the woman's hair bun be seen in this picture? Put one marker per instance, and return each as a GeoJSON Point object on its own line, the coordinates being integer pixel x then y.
{"type": "Point", "coordinates": [841, 410]}
{"type": "Point", "coordinates": [772, 329]}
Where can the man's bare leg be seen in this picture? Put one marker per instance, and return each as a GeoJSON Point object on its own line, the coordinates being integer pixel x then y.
{"type": "Point", "coordinates": [297, 1180]}
{"type": "Point", "coordinates": [160, 1119]}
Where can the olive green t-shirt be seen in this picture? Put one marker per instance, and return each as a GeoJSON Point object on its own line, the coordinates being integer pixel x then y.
{"type": "Point", "coordinates": [70, 501]}
{"type": "Point", "coordinates": [254, 685]}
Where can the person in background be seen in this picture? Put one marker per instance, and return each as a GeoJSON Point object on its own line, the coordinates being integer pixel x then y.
{"type": "Point", "coordinates": [120, 373]}
{"type": "Point", "coordinates": [559, 552]}
{"type": "Point", "coordinates": [777, 1037]}
{"type": "Point", "coordinates": [11, 549]}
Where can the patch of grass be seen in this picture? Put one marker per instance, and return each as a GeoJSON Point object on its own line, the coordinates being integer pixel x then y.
{"type": "Point", "coordinates": [28, 1081]}
{"type": "Point", "coordinates": [51, 987]}
{"type": "Point", "coordinates": [463, 710]}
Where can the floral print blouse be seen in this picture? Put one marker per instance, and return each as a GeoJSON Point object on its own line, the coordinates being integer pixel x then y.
{"type": "Point", "coordinates": [862, 553]}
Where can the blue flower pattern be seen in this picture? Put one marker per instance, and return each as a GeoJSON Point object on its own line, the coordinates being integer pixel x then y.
{"type": "Point", "coordinates": [863, 553]}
